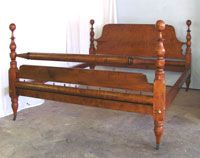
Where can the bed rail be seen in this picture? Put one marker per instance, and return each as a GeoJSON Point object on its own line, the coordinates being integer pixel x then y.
{"type": "Point", "coordinates": [102, 94]}
{"type": "Point", "coordinates": [97, 59]}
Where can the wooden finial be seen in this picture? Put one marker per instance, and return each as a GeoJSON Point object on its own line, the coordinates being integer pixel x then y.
{"type": "Point", "coordinates": [12, 27]}
{"type": "Point", "coordinates": [13, 46]}
{"type": "Point", "coordinates": [188, 22]}
{"type": "Point", "coordinates": [92, 22]}
{"type": "Point", "coordinates": [92, 48]}
{"type": "Point", "coordinates": [160, 25]}
{"type": "Point", "coordinates": [188, 37]}
{"type": "Point", "coordinates": [160, 63]}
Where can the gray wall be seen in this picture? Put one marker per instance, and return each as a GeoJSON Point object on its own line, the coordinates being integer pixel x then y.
{"type": "Point", "coordinates": [174, 12]}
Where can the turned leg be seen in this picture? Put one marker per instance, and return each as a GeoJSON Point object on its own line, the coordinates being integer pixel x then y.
{"type": "Point", "coordinates": [159, 87]}
{"type": "Point", "coordinates": [158, 130]}
{"type": "Point", "coordinates": [13, 72]}
{"type": "Point", "coordinates": [188, 80]}
{"type": "Point", "coordinates": [14, 107]}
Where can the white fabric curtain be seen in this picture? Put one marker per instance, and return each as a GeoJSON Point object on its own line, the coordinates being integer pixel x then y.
{"type": "Point", "coordinates": [78, 27]}
{"type": "Point", "coordinates": [42, 27]}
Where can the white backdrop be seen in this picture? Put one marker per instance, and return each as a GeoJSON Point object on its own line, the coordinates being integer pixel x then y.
{"type": "Point", "coordinates": [174, 12]}
{"type": "Point", "coordinates": [33, 33]}
{"type": "Point", "coordinates": [102, 11]}
{"type": "Point", "coordinates": [42, 26]}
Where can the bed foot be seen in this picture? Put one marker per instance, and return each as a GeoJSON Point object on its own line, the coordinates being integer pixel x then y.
{"type": "Point", "coordinates": [157, 146]}
{"type": "Point", "coordinates": [14, 117]}
{"type": "Point", "coordinates": [14, 107]}
{"type": "Point", "coordinates": [188, 80]}
{"type": "Point", "coordinates": [158, 130]}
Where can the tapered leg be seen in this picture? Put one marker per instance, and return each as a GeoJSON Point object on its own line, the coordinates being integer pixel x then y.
{"type": "Point", "coordinates": [188, 80]}
{"type": "Point", "coordinates": [14, 107]}
{"type": "Point", "coordinates": [158, 130]}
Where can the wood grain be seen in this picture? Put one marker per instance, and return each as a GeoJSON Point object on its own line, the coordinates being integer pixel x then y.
{"type": "Point", "coordinates": [87, 101]}
{"type": "Point", "coordinates": [109, 95]}
{"type": "Point", "coordinates": [122, 80]}
{"type": "Point", "coordinates": [137, 40]}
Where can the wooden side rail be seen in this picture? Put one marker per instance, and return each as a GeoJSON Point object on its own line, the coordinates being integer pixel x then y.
{"type": "Point", "coordinates": [102, 94]}
{"type": "Point", "coordinates": [171, 94]}
{"type": "Point", "coordinates": [146, 67]}
{"type": "Point", "coordinates": [87, 101]}
{"type": "Point", "coordinates": [96, 59]}
{"type": "Point", "coordinates": [106, 60]}
{"type": "Point", "coordinates": [123, 80]}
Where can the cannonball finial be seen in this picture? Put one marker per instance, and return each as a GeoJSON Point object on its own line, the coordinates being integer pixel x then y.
{"type": "Point", "coordinates": [12, 27]}
{"type": "Point", "coordinates": [188, 22]}
{"type": "Point", "coordinates": [160, 25]}
{"type": "Point", "coordinates": [91, 21]}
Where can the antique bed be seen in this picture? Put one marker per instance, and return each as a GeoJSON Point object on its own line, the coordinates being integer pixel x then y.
{"type": "Point", "coordinates": [141, 46]}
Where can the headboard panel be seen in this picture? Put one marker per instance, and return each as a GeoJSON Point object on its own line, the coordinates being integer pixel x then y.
{"type": "Point", "coordinates": [137, 40]}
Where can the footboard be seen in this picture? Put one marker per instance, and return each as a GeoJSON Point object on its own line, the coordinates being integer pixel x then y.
{"type": "Point", "coordinates": [119, 81]}
{"type": "Point", "coordinates": [109, 79]}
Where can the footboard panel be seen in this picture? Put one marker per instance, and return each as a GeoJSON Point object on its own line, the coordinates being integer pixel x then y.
{"type": "Point", "coordinates": [121, 80]}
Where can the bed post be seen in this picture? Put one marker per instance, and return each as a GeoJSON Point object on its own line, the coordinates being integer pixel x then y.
{"type": "Point", "coordinates": [159, 90]}
{"type": "Point", "coordinates": [92, 48]}
{"type": "Point", "coordinates": [13, 73]}
{"type": "Point", "coordinates": [188, 54]}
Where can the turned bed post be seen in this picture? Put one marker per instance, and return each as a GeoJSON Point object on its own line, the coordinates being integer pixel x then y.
{"type": "Point", "coordinates": [92, 47]}
{"type": "Point", "coordinates": [13, 73]}
{"type": "Point", "coordinates": [188, 55]}
{"type": "Point", "coordinates": [159, 89]}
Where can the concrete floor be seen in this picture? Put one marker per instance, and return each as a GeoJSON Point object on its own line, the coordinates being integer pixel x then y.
{"type": "Point", "coordinates": [58, 130]}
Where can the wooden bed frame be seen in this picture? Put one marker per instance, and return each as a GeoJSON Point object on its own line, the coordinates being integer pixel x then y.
{"type": "Point", "coordinates": [121, 45]}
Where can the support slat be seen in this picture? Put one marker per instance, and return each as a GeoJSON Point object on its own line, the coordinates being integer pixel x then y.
{"type": "Point", "coordinates": [121, 80]}
{"type": "Point", "coordinates": [87, 93]}
{"type": "Point", "coordinates": [87, 101]}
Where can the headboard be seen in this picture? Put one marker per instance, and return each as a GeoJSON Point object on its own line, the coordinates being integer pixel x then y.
{"type": "Point", "coordinates": [137, 40]}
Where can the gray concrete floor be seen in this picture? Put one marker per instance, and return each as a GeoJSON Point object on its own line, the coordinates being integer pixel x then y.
{"type": "Point", "coordinates": [58, 130]}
